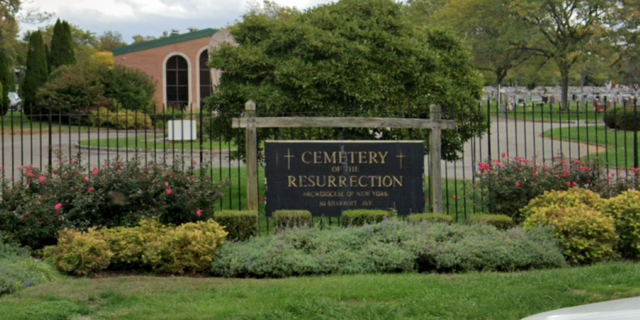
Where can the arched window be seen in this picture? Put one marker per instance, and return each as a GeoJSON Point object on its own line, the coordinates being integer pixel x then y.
{"type": "Point", "coordinates": [205, 76]}
{"type": "Point", "coordinates": [177, 75]}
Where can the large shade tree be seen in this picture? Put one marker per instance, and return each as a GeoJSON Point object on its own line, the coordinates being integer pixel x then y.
{"type": "Point", "coordinates": [8, 81]}
{"type": "Point", "coordinates": [567, 29]}
{"type": "Point", "coordinates": [354, 57]}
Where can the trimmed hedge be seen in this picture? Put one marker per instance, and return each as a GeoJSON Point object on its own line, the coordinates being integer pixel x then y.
{"type": "Point", "coordinates": [569, 198]}
{"type": "Point", "coordinates": [286, 219]}
{"type": "Point", "coordinates": [586, 235]}
{"type": "Point", "coordinates": [389, 247]}
{"type": "Point", "coordinates": [622, 119]}
{"type": "Point", "coordinates": [240, 225]}
{"type": "Point", "coordinates": [625, 210]}
{"type": "Point", "coordinates": [430, 217]}
{"type": "Point", "coordinates": [187, 248]}
{"type": "Point", "coordinates": [499, 221]}
{"type": "Point", "coordinates": [361, 217]}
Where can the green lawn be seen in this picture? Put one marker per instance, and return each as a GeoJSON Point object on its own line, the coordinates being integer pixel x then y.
{"type": "Point", "coordinates": [15, 123]}
{"type": "Point", "coordinates": [501, 296]}
{"type": "Point", "coordinates": [619, 144]}
{"type": "Point", "coordinates": [156, 142]}
{"type": "Point", "coordinates": [547, 113]}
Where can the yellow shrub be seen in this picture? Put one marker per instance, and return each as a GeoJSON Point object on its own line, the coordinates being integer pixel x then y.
{"type": "Point", "coordinates": [625, 211]}
{"type": "Point", "coordinates": [187, 248]}
{"type": "Point", "coordinates": [79, 253]}
{"type": "Point", "coordinates": [587, 236]}
{"type": "Point", "coordinates": [569, 198]}
{"type": "Point", "coordinates": [102, 117]}
{"type": "Point", "coordinates": [190, 247]}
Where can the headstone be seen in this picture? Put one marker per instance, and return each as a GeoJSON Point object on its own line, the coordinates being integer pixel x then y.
{"type": "Point", "coordinates": [553, 99]}
{"type": "Point", "coordinates": [328, 177]}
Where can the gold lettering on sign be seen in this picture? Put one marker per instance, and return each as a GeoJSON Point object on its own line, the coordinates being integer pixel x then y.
{"type": "Point", "coordinates": [292, 182]}
{"type": "Point", "coordinates": [304, 181]}
{"type": "Point", "coordinates": [341, 157]}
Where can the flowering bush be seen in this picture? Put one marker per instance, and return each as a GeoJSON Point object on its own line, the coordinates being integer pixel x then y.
{"type": "Point", "coordinates": [33, 210]}
{"type": "Point", "coordinates": [508, 184]}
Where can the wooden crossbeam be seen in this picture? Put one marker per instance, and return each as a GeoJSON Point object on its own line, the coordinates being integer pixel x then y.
{"type": "Point", "coordinates": [343, 122]}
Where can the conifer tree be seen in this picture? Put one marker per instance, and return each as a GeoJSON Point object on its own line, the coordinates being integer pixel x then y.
{"type": "Point", "coordinates": [36, 74]}
{"type": "Point", "coordinates": [7, 80]}
{"type": "Point", "coordinates": [61, 51]}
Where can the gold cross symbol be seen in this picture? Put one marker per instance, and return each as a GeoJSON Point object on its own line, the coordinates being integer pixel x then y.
{"type": "Point", "coordinates": [401, 156]}
{"type": "Point", "coordinates": [289, 156]}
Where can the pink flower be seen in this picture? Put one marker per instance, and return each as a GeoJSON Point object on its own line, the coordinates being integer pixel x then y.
{"type": "Point", "coordinates": [455, 197]}
{"type": "Point", "coordinates": [568, 184]}
{"type": "Point", "coordinates": [195, 163]}
{"type": "Point", "coordinates": [42, 179]}
{"type": "Point", "coordinates": [90, 189]}
{"type": "Point", "coordinates": [565, 174]}
{"type": "Point", "coordinates": [95, 171]}
{"type": "Point", "coordinates": [199, 213]}
{"type": "Point", "coordinates": [518, 184]}
{"type": "Point", "coordinates": [86, 179]}
{"type": "Point", "coordinates": [169, 191]}
{"type": "Point", "coordinates": [73, 161]}
{"type": "Point", "coordinates": [58, 207]}
{"type": "Point", "coordinates": [504, 154]}
{"type": "Point", "coordinates": [535, 175]}
{"type": "Point", "coordinates": [166, 184]}
{"type": "Point", "coordinates": [634, 170]}
{"type": "Point", "coordinates": [29, 174]}
{"type": "Point", "coordinates": [22, 217]}
{"type": "Point", "coordinates": [612, 174]}
{"type": "Point", "coordinates": [576, 162]}
{"type": "Point", "coordinates": [573, 184]}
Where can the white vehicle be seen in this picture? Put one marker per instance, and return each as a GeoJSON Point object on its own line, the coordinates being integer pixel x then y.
{"type": "Point", "coordinates": [623, 309]}
{"type": "Point", "coordinates": [16, 102]}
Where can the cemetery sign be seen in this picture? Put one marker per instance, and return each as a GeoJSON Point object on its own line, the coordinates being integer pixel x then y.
{"type": "Point", "coordinates": [328, 177]}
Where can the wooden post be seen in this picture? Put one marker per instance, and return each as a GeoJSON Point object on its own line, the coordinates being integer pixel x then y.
{"type": "Point", "coordinates": [435, 155]}
{"type": "Point", "coordinates": [252, 156]}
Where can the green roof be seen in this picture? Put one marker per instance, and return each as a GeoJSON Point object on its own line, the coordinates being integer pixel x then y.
{"type": "Point", "coordinates": [204, 33]}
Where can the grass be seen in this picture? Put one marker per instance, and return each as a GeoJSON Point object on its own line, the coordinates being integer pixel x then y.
{"type": "Point", "coordinates": [404, 296]}
{"type": "Point", "coordinates": [157, 142]}
{"type": "Point", "coordinates": [547, 113]}
{"type": "Point", "coordinates": [619, 144]}
{"type": "Point", "coordinates": [16, 123]}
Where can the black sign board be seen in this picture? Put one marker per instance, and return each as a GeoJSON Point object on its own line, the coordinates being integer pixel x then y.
{"type": "Point", "coordinates": [328, 177]}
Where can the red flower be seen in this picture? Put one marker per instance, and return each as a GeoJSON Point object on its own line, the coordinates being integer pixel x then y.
{"type": "Point", "coordinates": [169, 191]}
{"type": "Point", "coordinates": [455, 197]}
{"type": "Point", "coordinates": [90, 189]}
{"type": "Point", "coordinates": [612, 174]}
{"type": "Point", "coordinates": [565, 174]}
{"type": "Point", "coordinates": [195, 163]}
{"type": "Point", "coordinates": [73, 161]}
{"type": "Point", "coordinates": [58, 207]}
{"type": "Point", "coordinates": [504, 154]}
{"type": "Point", "coordinates": [42, 179]}
{"type": "Point", "coordinates": [22, 217]}
{"type": "Point", "coordinates": [95, 171]}
{"type": "Point", "coordinates": [568, 184]}
{"type": "Point", "coordinates": [199, 213]}
{"type": "Point", "coordinates": [634, 170]}
{"type": "Point", "coordinates": [166, 184]}
{"type": "Point", "coordinates": [518, 184]}
{"type": "Point", "coordinates": [573, 184]}
{"type": "Point", "coordinates": [535, 175]}
{"type": "Point", "coordinates": [86, 179]}
{"type": "Point", "coordinates": [576, 162]}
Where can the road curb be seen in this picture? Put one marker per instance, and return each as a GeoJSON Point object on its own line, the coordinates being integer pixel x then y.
{"type": "Point", "coordinates": [185, 151]}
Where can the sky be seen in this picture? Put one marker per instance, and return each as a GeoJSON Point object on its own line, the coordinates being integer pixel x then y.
{"type": "Point", "coordinates": [148, 17]}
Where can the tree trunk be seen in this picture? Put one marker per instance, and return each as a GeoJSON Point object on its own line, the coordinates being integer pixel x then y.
{"type": "Point", "coordinates": [564, 83]}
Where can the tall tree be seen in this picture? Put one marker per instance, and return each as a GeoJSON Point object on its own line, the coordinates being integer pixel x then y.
{"type": "Point", "coordinates": [110, 40]}
{"type": "Point", "coordinates": [8, 81]}
{"type": "Point", "coordinates": [566, 28]}
{"type": "Point", "coordinates": [490, 29]}
{"type": "Point", "coordinates": [54, 50]}
{"type": "Point", "coordinates": [350, 57]}
{"type": "Point", "coordinates": [36, 74]}
{"type": "Point", "coordinates": [8, 24]}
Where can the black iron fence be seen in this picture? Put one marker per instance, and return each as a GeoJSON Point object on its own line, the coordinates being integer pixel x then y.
{"type": "Point", "coordinates": [527, 130]}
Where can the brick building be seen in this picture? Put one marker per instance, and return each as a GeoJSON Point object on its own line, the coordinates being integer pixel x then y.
{"type": "Point", "coordinates": [178, 65]}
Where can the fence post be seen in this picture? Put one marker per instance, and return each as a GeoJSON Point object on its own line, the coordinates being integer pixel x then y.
{"type": "Point", "coordinates": [252, 156]}
{"type": "Point", "coordinates": [435, 154]}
